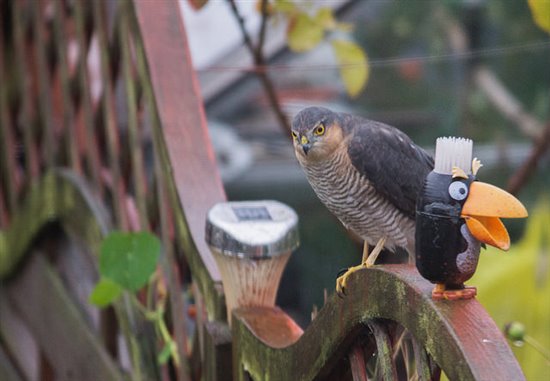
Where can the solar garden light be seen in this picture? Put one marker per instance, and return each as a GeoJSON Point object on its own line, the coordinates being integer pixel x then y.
{"type": "Point", "coordinates": [251, 242]}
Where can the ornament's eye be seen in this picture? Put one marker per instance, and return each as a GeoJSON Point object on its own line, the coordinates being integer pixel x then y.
{"type": "Point", "coordinates": [320, 130]}
{"type": "Point", "coordinates": [294, 135]}
{"type": "Point", "coordinates": [458, 190]}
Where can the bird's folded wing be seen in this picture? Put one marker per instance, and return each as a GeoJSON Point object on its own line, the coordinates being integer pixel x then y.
{"type": "Point", "coordinates": [391, 162]}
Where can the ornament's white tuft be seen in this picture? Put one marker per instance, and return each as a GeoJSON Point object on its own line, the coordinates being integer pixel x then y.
{"type": "Point", "coordinates": [453, 152]}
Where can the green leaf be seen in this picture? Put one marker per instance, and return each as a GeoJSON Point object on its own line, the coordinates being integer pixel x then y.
{"type": "Point", "coordinates": [304, 33]}
{"type": "Point", "coordinates": [129, 259]}
{"type": "Point", "coordinates": [166, 352]}
{"type": "Point", "coordinates": [541, 13]}
{"type": "Point", "coordinates": [354, 68]}
{"type": "Point", "coordinates": [104, 293]}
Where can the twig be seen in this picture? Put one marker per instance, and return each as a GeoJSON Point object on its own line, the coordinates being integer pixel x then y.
{"type": "Point", "coordinates": [257, 54]}
{"type": "Point", "coordinates": [503, 100]}
{"type": "Point", "coordinates": [522, 175]}
{"type": "Point", "coordinates": [506, 103]}
{"type": "Point", "coordinates": [263, 27]}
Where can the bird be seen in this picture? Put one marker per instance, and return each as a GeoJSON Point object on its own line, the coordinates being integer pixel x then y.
{"type": "Point", "coordinates": [367, 173]}
{"type": "Point", "coordinates": [456, 216]}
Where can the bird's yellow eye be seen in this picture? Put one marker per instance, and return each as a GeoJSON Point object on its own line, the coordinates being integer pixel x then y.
{"type": "Point", "coordinates": [320, 130]}
{"type": "Point", "coordinates": [294, 135]}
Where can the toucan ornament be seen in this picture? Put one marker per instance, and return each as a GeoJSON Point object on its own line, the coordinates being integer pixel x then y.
{"type": "Point", "coordinates": [455, 216]}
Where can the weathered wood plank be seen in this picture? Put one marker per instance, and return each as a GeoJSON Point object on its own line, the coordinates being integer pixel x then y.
{"type": "Point", "coordinates": [65, 339]}
{"type": "Point", "coordinates": [460, 336]}
{"type": "Point", "coordinates": [7, 370]}
{"type": "Point", "coordinates": [217, 352]}
{"type": "Point", "coordinates": [386, 367]}
{"type": "Point", "coordinates": [17, 340]}
{"type": "Point", "coordinates": [186, 150]}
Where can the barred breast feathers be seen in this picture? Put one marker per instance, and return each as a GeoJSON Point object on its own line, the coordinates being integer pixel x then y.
{"type": "Point", "coordinates": [351, 198]}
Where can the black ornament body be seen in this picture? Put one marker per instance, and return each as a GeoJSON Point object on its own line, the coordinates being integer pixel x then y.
{"type": "Point", "coordinates": [446, 252]}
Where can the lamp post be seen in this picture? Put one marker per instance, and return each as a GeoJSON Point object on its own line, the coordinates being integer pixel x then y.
{"type": "Point", "coordinates": [251, 242]}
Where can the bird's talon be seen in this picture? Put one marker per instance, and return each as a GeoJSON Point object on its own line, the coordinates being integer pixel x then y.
{"type": "Point", "coordinates": [341, 272]}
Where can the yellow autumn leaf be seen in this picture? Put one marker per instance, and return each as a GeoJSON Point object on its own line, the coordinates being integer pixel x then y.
{"type": "Point", "coordinates": [304, 33]}
{"type": "Point", "coordinates": [541, 13]}
{"type": "Point", "coordinates": [325, 18]}
{"type": "Point", "coordinates": [354, 67]}
{"type": "Point", "coordinates": [282, 6]}
{"type": "Point", "coordinates": [197, 4]}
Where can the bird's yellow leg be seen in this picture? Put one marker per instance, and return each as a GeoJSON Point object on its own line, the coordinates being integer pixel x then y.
{"type": "Point", "coordinates": [365, 252]}
{"type": "Point", "coordinates": [375, 252]}
{"type": "Point", "coordinates": [367, 261]}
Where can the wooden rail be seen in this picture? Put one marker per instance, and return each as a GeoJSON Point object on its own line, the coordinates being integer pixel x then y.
{"type": "Point", "coordinates": [102, 127]}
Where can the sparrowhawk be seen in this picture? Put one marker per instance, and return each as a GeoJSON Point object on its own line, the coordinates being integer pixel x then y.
{"type": "Point", "coordinates": [368, 174]}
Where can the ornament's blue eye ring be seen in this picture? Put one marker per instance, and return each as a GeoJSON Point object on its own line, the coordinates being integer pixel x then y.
{"type": "Point", "coordinates": [458, 190]}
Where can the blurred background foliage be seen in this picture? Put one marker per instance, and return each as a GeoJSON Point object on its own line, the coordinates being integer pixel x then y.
{"type": "Point", "coordinates": [515, 286]}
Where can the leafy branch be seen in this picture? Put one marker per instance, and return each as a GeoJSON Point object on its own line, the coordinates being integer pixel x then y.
{"type": "Point", "coordinates": [259, 60]}
{"type": "Point", "coordinates": [306, 30]}
{"type": "Point", "coordinates": [127, 263]}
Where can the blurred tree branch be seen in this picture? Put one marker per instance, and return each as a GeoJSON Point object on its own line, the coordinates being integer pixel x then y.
{"type": "Point", "coordinates": [522, 175]}
{"type": "Point", "coordinates": [506, 103]}
{"type": "Point", "coordinates": [487, 81]}
{"type": "Point", "coordinates": [503, 100]}
{"type": "Point", "coordinates": [259, 61]}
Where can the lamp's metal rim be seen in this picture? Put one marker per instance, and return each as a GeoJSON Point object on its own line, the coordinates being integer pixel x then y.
{"type": "Point", "coordinates": [224, 242]}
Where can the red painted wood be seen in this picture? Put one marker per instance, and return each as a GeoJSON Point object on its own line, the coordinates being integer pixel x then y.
{"type": "Point", "coordinates": [182, 117]}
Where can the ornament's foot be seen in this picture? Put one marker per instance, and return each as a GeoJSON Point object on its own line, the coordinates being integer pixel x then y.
{"type": "Point", "coordinates": [368, 261]}
{"type": "Point", "coordinates": [440, 292]}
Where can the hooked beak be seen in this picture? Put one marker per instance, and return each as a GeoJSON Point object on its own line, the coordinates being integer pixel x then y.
{"type": "Point", "coordinates": [484, 207]}
{"type": "Point", "coordinates": [306, 145]}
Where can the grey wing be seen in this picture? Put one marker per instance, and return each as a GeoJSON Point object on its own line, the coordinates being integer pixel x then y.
{"type": "Point", "coordinates": [389, 159]}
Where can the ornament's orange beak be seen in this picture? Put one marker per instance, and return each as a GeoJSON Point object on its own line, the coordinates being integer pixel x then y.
{"type": "Point", "coordinates": [484, 207]}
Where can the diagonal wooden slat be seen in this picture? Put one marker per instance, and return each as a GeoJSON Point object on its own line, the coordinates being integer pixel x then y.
{"type": "Point", "coordinates": [69, 123]}
{"type": "Point", "coordinates": [44, 86]}
{"type": "Point", "coordinates": [357, 363]}
{"type": "Point", "coordinates": [27, 114]}
{"type": "Point", "coordinates": [109, 117]}
{"type": "Point", "coordinates": [384, 353]}
{"type": "Point", "coordinates": [78, 353]}
{"type": "Point", "coordinates": [134, 136]}
{"type": "Point", "coordinates": [85, 102]}
{"type": "Point", "coordinates": [8, 184]}
{"type": "Point", "coordinates": [423, 370]}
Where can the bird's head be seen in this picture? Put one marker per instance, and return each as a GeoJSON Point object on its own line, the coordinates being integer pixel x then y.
{"type": "Point", "coordinates": [451, 192]}
{"type": "Point", "coordinates": [316, 133]}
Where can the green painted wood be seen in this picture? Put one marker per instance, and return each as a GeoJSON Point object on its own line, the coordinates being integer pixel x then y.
{"type": "Point", "coordinates": [58, 196]}
{"type": "Point", "coordinates": [460, 336]}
